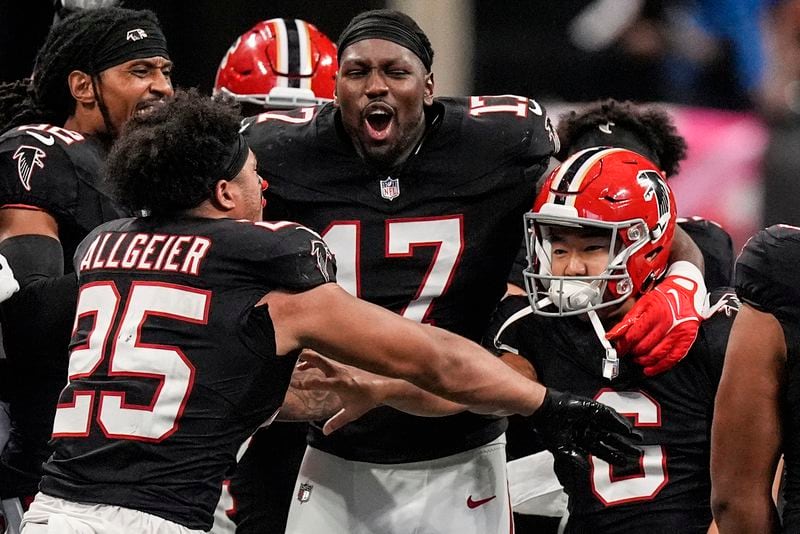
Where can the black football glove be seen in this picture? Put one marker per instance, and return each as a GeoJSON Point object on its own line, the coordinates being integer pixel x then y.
{"type": "Point", "coordinates": [573, 427]}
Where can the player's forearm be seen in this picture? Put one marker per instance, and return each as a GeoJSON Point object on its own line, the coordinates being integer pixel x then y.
{"type": "Point", "coordinates": [384, 343]}
{"type": "Point", "coordinates": [745, 514]}
{"type": "Point", "coordinates": [747, 411]}
{"type": "Point", "coordinates": [409, 398]}
{"type": "Point", "coordinates": [465, 373]}
{"type": "Point", "coordinates": [742, 476]}
{"type": "Point", "coordinates": [308, 405]}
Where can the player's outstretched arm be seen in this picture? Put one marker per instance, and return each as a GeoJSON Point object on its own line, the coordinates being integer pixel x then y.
{"type": "Point", "coordinates": [746, 432]}
{"type": "Point", "coordinates": [332, 322]}
{"type": "Point", "coordinates": [325, 389]}
{"type": "Point", "coordinates": [357, 391]}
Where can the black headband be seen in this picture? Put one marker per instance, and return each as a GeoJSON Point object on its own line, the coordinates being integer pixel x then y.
{"type": "Point", "coordinates": [381, 27]}
{"type": "Point", "coordinates": [234, 163]}
{"type": "Point", "coordinates": [135, 39]}
{"type": "Point", "coordinates": [615, 136]}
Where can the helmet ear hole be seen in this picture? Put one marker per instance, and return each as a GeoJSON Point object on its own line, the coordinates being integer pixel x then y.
{"type": "Point", "coordinates": [653, 253]}
{"type": "Point", "coordinates": [648, 282]}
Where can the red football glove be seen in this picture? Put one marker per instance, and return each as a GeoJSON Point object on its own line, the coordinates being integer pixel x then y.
{"type": "Point", "coordinates": [662, 326]}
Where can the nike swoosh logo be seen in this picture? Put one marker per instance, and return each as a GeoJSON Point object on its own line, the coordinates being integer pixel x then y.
{"type": "Point", "coordinates": [677, 298]}
{"type": "Point", "coordinates": [47, 140]}
{"type": "Point", "coordinates": [474, 504]}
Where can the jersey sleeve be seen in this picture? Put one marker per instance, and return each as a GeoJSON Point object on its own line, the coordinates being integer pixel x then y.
{"type": "Point", "coordinates": [490, 142]}
{"type": "Point", "coordinates": [544, 142]}
{"type": "Point", "coordinates": [717, 247]}
{"type": "Point", "coordinates": [714, 332]}
{"type": "Point", "coordinates": [37, 175]}
{"type": "Point", "coordinates": [519, 126]}
{"type": "Point", "coordinates": [297, 259]}
{"type": "Point", "coordinates": [767, 276]}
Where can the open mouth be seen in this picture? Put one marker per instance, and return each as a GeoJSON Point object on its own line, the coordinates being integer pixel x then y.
{"type": "Point", "coordinates": [378, 121]}
{"type": "Point", "coordinates": [146, 106]}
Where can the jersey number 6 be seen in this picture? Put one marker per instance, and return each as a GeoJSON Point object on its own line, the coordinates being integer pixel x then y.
{"type": "Point", "coordinates": [612, 490]}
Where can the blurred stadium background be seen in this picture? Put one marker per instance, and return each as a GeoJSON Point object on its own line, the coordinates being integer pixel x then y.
{"type": "Point", "coordinates": [728, 70]}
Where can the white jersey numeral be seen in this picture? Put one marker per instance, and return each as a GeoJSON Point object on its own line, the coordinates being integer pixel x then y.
{"type": "Point", "coordinates": [518, 105]}
{"type": "Point", "coordinates": [613, 490]}
{"type": "Point", "coordinates": [131, 358]}
{"type": "Point", "coordinates": [445, 234]}
{"type": "Point", "coordinates": [306, 114]}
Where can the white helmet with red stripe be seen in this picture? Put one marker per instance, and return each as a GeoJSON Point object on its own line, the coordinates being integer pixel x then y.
{"type": "Point", "coordinates": [613, 189]}
{"type": "Point", "coordinates": [279, 63]}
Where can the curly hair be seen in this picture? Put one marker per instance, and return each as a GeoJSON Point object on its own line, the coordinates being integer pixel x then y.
{"type": "Point", "coordinates": [46, 97]}
{"type": "Point", "coordinates": [651, 126]}
{"type": "Point", "coordinates": [169, 160]}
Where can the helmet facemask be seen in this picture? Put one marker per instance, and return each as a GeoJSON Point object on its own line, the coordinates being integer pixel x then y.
{"type": "Point", "coordinates": [561, 295]}
{"type": "Point", "coordinates": [599, 189]}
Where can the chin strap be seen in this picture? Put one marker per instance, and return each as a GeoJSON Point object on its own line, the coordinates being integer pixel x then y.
{"type": "Point", "coordinates": [610, 361]}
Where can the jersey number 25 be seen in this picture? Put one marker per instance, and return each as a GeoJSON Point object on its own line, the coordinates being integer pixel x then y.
{"type": "Point", "coordinates": [129, 359]}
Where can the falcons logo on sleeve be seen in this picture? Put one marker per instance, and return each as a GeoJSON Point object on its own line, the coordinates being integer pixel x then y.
{"type": "Point", "coordinates": [728, 304]}
{"type": "Point", "coordinates": [320, 251]}
{"type": "Point", "coordinates": [28, 158]}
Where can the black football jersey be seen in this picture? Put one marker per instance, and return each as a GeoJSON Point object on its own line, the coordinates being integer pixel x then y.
{"type": "Point", "coordinates": [717, 247]}
{"type": "Point", "coordinates": [432, 241]}
{"type": "Point", "coordinates": [171, 366]}
{"type": "Point", "coordinates": [768, 279]}
{"type": "Point", "coordinates": [669, 491]}
{"type": "Point", "coordinates": [712, 240]}
{"type": "Point", "coordinates": [56, 170]}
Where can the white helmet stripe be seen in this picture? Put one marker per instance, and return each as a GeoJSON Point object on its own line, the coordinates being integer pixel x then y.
{"type": "Point", "coordinates": [282, 39]}
{"type": "Point", "coordinates": [304, 42]}
{"type": "Point", "coordinates": [575, 170]}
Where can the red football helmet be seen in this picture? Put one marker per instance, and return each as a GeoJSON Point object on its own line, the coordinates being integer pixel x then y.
{"type": "Point", "coordinates": [279, 63]}
{"type": "Point", "coordinates": [613, 189]}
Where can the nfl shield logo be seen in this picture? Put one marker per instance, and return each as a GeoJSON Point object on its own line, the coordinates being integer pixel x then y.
{"type": "Point", "coordinates": [304, 493]}
{"type": "Point", "coordinates": [390, 188]}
